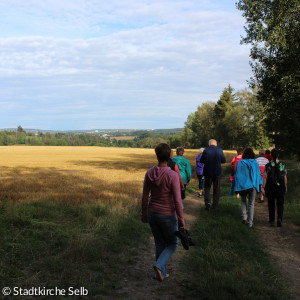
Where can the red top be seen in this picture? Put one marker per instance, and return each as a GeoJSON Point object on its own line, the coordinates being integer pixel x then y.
{"type": "Point", "coordinates": [268, 156]}
{"type": "Point", "coordinates": [234, 163]}
{"type": "Point", "coordinates": [179, 176]}
{"type": "Point", "coordinates": [164, 186]}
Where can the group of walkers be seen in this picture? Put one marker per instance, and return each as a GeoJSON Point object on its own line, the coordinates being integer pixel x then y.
{"type": "Point", "coordinates": [265, 176]}
{"type": "Point", "coordinates": [166, 183]}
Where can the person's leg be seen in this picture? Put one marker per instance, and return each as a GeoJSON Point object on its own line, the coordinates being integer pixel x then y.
{"type": "Point", "coordinates": [168, 230]}
{"type": "Point", "coordinates": [280, 205]}
{"type": "Point", "coordinates": [216, 191]}
{"type": "Point", "coordinates": [159, 240]}
{"type": "Point", "coordinates": [271, 206]}
{"type": "Point", "coordinates": [163, 229]}
{"type": "Point", "coordinates": [200, 185]}
{"type": "Point", "coordinates": [244, 208]}
{"type": "Point", "coordinates": [207, 186]}
{"type": "Point", "coordinates": [260, 195]}
{"type": "Point", "coordinates": [251, 201]}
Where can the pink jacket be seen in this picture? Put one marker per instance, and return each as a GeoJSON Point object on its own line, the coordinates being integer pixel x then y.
{"type": "Point", "coordinates": [164, 186]}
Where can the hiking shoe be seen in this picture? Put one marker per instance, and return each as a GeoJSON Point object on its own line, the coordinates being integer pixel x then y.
{"type": "Point", "coordinates": [279, 223]}
{"type": "Point", "coordinates": [207, 207]}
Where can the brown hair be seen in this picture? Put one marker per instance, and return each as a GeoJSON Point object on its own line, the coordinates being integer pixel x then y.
{"type": "Point", "coordinates": [179, 151]}
{"type": "Point", "coordinates": [163, 152]}
{"type": "Point", "coordinates": [248, 153]}
{"type": "Point", "coordinates": [239, 151]}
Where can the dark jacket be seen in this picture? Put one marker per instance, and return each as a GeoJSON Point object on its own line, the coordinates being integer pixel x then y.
{"type": "Point", "coordinates": [212, 158]}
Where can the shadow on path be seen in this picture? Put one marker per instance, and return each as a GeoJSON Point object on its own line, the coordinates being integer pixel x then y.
{"type": "Point", "coordinates": [283, 244]}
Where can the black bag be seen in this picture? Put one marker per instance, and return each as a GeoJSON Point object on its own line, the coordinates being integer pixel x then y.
{"type": "Point", "coordinates": [275, 185]}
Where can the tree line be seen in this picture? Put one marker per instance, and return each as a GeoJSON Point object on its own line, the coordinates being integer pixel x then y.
{"type": "Point", "coordinates": [143, 139]}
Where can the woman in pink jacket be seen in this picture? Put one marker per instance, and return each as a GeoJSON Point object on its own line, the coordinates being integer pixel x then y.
{"type": "Point", "coordinates": [163, 210]}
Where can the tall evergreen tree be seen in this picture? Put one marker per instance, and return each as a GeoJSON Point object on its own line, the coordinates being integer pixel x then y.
{"type": "Point", "coordinates": [223, 106]}
{"type": "Point", "coordinates": [225, 102]}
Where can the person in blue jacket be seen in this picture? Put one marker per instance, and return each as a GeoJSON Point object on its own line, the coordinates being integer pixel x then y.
{"type": "Point", "coordinates": [247, 181]}
{"type": "Point", "coordinates": [185, 169]}
{"type": "Point", "coordinates": [212, 158]}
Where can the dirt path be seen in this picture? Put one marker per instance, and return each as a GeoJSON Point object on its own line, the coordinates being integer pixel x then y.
{"type": "Point", "coordinates": [138, 282]}
{"type": "Point", "coordinates": [283, 244]}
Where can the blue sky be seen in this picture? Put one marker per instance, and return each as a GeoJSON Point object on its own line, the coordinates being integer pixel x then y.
{"type": "Point", "coordinates": [95, 64]}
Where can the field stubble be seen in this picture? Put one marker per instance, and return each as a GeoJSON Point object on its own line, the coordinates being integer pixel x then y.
{"type": "Point", "coordinates": [76, 175]}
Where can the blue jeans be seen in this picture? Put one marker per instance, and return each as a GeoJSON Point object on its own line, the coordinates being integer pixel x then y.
{"type": "Point", "coordinates": [163, 228]}
{"type": "Point", "coordinates": [251, 199]}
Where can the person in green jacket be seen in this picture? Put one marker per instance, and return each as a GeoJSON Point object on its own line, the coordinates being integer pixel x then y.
{"type": "Point", "coordinates": [185, 168]}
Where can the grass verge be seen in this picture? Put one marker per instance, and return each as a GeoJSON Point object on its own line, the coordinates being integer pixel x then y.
{"type": "Point", "coordinates": [228, 261]}
{"type": "Point", "coordinates": [292, 197]}
{"type": "Point", "coordinates": [56, 245]}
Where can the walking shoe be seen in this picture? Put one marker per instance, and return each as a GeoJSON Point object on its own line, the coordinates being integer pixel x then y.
{"type": "Point", "coordinates": [207, 207]}
{"type": "Point", "coordinates": [244, 221]}
{"type": "Point", "coordinates": [279, 223]}
{"type": "Point", "coordinates": [272, 224]}
{"type": "Point", "coordinates": [261, 201]}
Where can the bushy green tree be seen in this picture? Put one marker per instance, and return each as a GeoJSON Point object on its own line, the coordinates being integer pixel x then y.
{"type": "Point", "coordinates": [273, 30]}
{"type": "Point", "coordinates": [237, 122]}
{"type": "Point", "coordinates": [200, 125]}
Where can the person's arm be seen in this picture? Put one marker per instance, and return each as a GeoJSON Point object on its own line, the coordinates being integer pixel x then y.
{"type": "Point", "coordinates": [145, 198]}
{"type": "Point", "coordinates": [180, 179]}
{"type": "Point", "coordinates": [285, 181]}
{"type": "Point", "coordinates": [223, 159]}
{"type": "Point", "coordinates": [176, 193]}
{"type": "Point", "coordinates": [232, 169]}
{"type": "Point", "coordinates": [264, 183]}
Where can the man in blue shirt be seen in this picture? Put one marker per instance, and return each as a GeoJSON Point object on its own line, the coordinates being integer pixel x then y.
{"type": "Point", "coordinates": [212, 158]}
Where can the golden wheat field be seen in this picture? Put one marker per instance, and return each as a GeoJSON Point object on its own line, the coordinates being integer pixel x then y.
{"type": "Point", "coordinates": [76, 175]}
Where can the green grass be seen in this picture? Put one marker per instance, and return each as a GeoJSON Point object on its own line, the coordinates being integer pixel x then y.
{"type": "Point", "coordinates": [292, 198]}
{"type": "Point", "coordinates": [228, 261]}
{"type": "Point", "coordinates": [46, 244]}
{"type": "Point", "coordinates": [49, 245]}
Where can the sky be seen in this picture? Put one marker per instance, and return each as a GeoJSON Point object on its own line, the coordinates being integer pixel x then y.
{"type": "Point", "coordinates": [117, 64]}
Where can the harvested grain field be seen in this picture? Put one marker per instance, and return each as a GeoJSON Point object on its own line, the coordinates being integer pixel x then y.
{"type": "Point", "coordinates": [76, 175]}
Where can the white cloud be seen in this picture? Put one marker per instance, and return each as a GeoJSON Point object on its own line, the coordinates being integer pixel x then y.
{"type": "Point", "coordinates": [108, 55]}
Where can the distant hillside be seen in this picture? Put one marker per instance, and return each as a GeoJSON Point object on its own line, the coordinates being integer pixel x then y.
{"type": "Point", "coordinates": [100, 132]}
